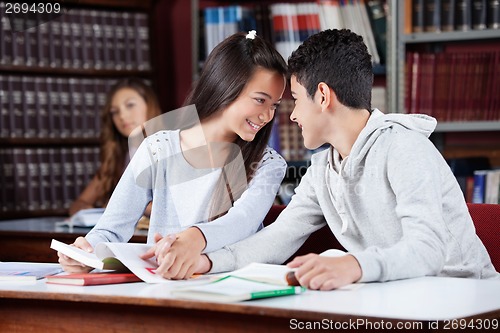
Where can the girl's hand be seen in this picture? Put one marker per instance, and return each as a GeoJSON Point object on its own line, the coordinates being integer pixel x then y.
{"type": "Point", "coordinates": [72, 266]}
{"type": "Point", "coordinates": [181, 258]}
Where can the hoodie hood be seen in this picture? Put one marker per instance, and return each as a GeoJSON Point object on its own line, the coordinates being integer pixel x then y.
{"type": "Point", "coordinates": [379, 122]}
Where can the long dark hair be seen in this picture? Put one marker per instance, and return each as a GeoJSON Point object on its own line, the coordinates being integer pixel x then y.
{"type": "Point", "coordinates": [227, 70]}
{"type": "Point", "coordinates": [114, 146]}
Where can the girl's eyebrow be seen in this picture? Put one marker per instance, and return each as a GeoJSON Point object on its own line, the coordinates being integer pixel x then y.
{"type": "Point", "coordinates": [267, 95]}
{"type": "Point", "coordinates": [263, 93]}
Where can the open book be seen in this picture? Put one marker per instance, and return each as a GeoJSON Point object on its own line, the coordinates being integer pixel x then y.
{"type": "Point", "coordinates": [115, 256]}
{"type": "Point", "coordinates": [253, 281]}
{"type": "Point", "coordinates": [267, 273]}
{"type": "Point", "coordinates": [27, 271]}
{"type": "Point", "coordinates": [234, 289]}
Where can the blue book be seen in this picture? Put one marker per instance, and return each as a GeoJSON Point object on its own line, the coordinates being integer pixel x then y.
{"type": "Point", "coordinates": [479, 186]}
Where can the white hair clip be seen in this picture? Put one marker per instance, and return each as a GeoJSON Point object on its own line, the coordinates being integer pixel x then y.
{"type": "Point", "coordinates": [251, 34]}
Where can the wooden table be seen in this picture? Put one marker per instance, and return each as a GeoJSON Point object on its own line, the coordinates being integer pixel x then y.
{"type": "Point", "coordinates": [29, 239]}
{"type": "Point", "coordinates": [418, 305]}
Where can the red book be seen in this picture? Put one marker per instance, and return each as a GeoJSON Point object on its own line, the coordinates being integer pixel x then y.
{"type": "Point", "coordinates": [89, 279]}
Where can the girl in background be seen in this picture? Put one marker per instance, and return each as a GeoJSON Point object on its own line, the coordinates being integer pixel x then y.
{"type": "Point", "coordinates": [129, 104]}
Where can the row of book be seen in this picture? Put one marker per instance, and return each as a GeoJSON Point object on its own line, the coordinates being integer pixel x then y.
{"type": "Point", "coordinates": [44, 178]}
{"type": "Point", "coordinates": [292, 23]}
{"type": "Point", "coordinates": [486, 186]}
{"type": "Point", "coordinates": [451, 15]}
{"type": "Point", "coordinates": [51, 107]}
{"type": "Point", "coordinates": [77, 39]}
{"type": "Point", "coordinates": [454, 85]}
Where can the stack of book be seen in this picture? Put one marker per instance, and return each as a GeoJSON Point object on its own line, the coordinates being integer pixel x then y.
{"type": "Point", "coordinates": [78, 39]}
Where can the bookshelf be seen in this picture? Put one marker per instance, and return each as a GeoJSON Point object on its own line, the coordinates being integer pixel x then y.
{"type": "Point", "coordinates": [55, 72]}
{"type": "Point", "coordinates": [400, 43]}
{"type": "Point", "coordinates": [477, 112]}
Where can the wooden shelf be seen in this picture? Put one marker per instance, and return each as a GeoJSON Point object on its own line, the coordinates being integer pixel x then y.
{"type": "Point", "coordinates": [468, 126]}
{"type": "Point", "coordinates": [48, 71]}
{"type": "Point", "coordinates": [49, 141]}
{"type": "Point", "coordinates": [128, 4]}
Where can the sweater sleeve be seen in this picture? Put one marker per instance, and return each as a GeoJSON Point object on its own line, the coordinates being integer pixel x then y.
{"type": "Point", "coordinates": [415, 176]}
{"type": "Point", "coordinates": [126, 205]}
{"type": "Point", "coordinates": [278, 241]}
{"type": "Point", "coordinates": [248, 212]}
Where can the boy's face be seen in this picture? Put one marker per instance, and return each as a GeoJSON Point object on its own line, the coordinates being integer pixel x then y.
{"type": "Point", "coordinates": [307, 114]}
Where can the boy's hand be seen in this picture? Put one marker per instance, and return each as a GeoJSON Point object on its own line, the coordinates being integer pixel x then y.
{"type": "Point", "coordinates": [204, 265]}
{"type": "Point", "coordinates": [72, 266]}
{"type": "Point", "coordinates": [326, 273]}
{"type": "Point", "coordinates": [160, 248]}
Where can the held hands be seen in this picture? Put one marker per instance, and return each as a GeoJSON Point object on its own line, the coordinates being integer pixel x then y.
{"type": "Point", "coordinates": [178, 256]}
{"type": "Point", "coordinates": [326, 273]}
{"type": "Point", "coordinates": [72, 266]}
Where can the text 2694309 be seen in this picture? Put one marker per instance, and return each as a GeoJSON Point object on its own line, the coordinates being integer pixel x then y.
{"type": "Point", "coordinates": [32, 8]}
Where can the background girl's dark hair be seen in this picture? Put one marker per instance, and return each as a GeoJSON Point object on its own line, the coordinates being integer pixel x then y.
{"type": "Point", "coordinates": [225, 73]}
{"type": "Point", "coordinates": [114, 146]}
{"type": "Point", "coordinates": [339, 58]}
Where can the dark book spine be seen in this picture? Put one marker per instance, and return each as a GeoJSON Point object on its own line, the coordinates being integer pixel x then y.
{"type": "Point", "coordinates": [479, 14]}
{"type": "Point", "coordinates": [20, 180]}
{"type": "Point", "coordinates": [42, 159]}
{"type": "Point", "coordinates": [52, 101]}
{"type": "Point", "coordinates": [29, 107]}
{"type": "Point", "coordinates": [17, 118]}
{"type": "Point", "coordinates": [32, 180]}
{"type": "Point", "coordinates": [56, 180]}
{"type": "Point", "coordinates": [4, 25]}
{"type": "Point", "coordinates": [67, 183]}
{"type": "Point", "coordinates": [417, 15]}
{"type": "Point", "coordinates": [30, 36]}
{"type": "Point", "coordinates": [41, 99]}
{"type": "Point", "coordinates": [88, 60]}
{"type": "Point", "coordinates": [64, 113]}
{"type": "Point", "coordinates": [75, 108]}
{"type": "Point", "coordinates": [66, 40]}
{"type": "Point", "coordinates": [78, 172]}
{"type": "Point", "coordinates": [432, 15]}
{"type": "Point", "coordinates": [447, 15]}
{"type": "Point", "coordinates": [128, 40]}
{"type": "Point", "coordinates": [42, 36]}
{"type": "Point", "coordinates": [4, 108]}
{"type": "Point", "coordinates": [108, 40]}
{"type": "Point", "coordinates": [463, 21]}
{"type": "Point", "coordinates": [76, 36]}
{"type": "Point", "coordinates": [97, 40]}
{"type": "Point", "coordinates": [8, 179]}
{"type": "Point", "coordinates": [56, 42]}
{"type": "Point", "coordinates": [18, 48]}
{"type": "Point", "coordinates": [493, 14]}
{"type": "Point", "coordinates": [378, 20]}
{"type": "Point", "coordinates": [142, 19]}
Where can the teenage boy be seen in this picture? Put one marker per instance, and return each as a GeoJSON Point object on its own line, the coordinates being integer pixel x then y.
{"type": "Point", "coordinates": [382, 187]}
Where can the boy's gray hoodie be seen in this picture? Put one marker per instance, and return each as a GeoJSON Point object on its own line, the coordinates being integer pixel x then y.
{"type": "Point", "coordinates": [393, 203]}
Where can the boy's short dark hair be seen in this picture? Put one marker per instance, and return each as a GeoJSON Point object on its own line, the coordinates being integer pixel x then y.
{"type": "Point", "coordinates": [338, 58]}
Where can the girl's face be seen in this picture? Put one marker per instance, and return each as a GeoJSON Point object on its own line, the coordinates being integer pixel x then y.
{"type": "Point", "coordinates": [128, 110]}
{"type": "Point", "coordinates": [256, 104]}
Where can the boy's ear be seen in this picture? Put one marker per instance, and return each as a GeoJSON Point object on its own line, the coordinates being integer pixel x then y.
{"type": "Point", "coordinates": [324, 95]}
